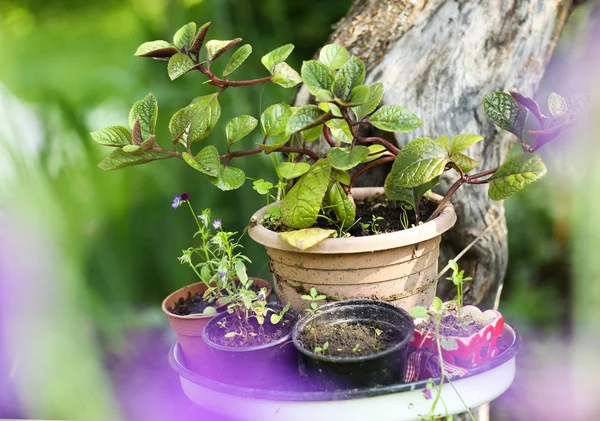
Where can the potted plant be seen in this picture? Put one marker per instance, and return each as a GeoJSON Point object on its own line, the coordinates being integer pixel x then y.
{"type": "Point", "coordinates": [466, 335]}
{"type": "Point", "coordinates": [316, 199]}
{"type": "Point", "coordinates": [252, 338]}
{"type": "Point", "coordinates": [221, 270]}
{"type": "Point", "coordinates": [353, 343]}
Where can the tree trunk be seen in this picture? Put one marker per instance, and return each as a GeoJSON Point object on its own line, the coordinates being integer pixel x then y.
{"type": "Point", "coordinates": [438, 59]}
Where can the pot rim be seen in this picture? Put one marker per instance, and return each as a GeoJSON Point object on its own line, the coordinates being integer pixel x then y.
{"type": "Point", "coordinates": [280, 341]}
{"type": "Point", "coordinates": [442, 223]}
{"type": "Point", "coordinates": [474, 309]}
{"type": "Point", "coordinates": [207, 316]}
{"type": "Point", "coordinates": [354, 302]}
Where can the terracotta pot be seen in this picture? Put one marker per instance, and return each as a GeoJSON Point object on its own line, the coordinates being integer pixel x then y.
{"type": "Point", "coordinates": [470, 351]}
{"type": "Point", "coordinates": [189, 328]}
{"type": "Point", "coordinates": [399, 267]}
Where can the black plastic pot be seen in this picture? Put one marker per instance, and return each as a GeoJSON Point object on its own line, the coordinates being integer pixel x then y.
{"type": "Point", "coordinates": [379, 369]}
{"type": "Point", "coordinates": [255, 365]}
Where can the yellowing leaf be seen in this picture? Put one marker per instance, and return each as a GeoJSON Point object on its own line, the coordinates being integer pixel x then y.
{"type": "Point", "coordinates": [305, 238]}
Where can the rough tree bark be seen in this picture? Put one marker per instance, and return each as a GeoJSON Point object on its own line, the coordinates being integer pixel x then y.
{"type": "Point", "coordinates": [438, 58]}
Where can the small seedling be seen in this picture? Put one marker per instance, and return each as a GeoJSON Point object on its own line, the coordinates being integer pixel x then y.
{"type": "Point", "coordinates": [322, 349]}
{"type": "Point", "coordinates": [356, 348]}
{"type": "Point", "coordinates": [458, 279]}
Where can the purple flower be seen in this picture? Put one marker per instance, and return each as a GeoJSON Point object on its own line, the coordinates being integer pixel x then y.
{"type": "Point", "coordinates": [176, 202]}
{"type": "Point", "coordinates": [178, 199]}
{"type": "Point", "coordinates": [222, 273]}
{"type": "Point", "coordinates": [217, 224]}
{"type": "Point", "coordinates": [427, 393]}
{"type": "Point", "coordinates": [262, 295]}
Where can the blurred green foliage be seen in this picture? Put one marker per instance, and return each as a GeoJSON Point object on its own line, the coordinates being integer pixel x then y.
{"type": "Point", "coordinates": [73, 63]}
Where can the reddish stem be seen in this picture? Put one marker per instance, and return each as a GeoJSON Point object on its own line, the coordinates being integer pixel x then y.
{"type": "Point", "coordinates": [393, 149]}
{"type": "Point", "coordinates": [371, 165]}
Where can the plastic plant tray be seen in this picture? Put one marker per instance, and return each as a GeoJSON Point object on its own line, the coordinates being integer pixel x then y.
{"type": "Point", "coordinates": [295, 399]}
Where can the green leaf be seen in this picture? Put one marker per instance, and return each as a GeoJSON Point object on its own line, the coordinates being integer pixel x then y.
{"type": "Point", "coordinates": [333, 56]}
{"type": "Point", "coordinates": [112, 136]}
{"type": "Point", "coordinates": [419, 191]}
{"type": "Point", "coordinates": [303, 117]}
{"type": "Point", "coordinates": [206, 161]}
{"type": "Point", "coordinates": [301, 204]}
{"type": "Point", "coordinates": [419, 312]}
{"type": "Point", "coordinates": [316, 76]}
{"type": "Point", "coordinates": [343, 134]}
{"type": "Point", "coordinates": [216, 48]}
{"type": "Point", "coordinates": [230, 334]}
{"type": "Point", "coordinates": [437, 304]}
{"type": "Point", "coordinates": [285, 76]}
{"type": "Point", "coordinates": [329, 107]}
{"type": "Point", "coordinates": [239, 127]}
{"type": "Point", "coordinates": [230, 179]}
{"type": "Point", "coordinates": [131, 148]}
{"type": "Point", "coordinates": [275, 118]}
{"type": "Point", "coordinates": [278, 142]}
{"type": "Point", "coordinates": [358, 96]}
{"type": "Point", "coordinates": [146, 110]}
{"type": "Point", "coordinates": [340, 88]}
{"type": "Point", "coordinates": [402, 194]}
{"type": "Point", "coordinates": [120, 159]}
{"type": "Point", "coordinates": [184, 37]}
{"type": "Point", "coordinates": [261, 186]}
{"type": "Point", "coordinates": [371, 103]}
{"type": "Point", "coordinates": [346, 158]}
{"type": "Point", "coordinates": [464, 141]}
{"type": "Point", "coordinates": [515, 174]}
{"type": "Point", "coordinates": [200, 116]}
{"type": "Point", "coordinates": [305, 238]}
{"type": "Point", "coordinates": [341, 176]}
{"type": "Point", "coordinates": [179, 65]}
{"type": "Point", "coordinates": [353, 71]}
{"type": "Point", "coordinates": [343, 207]}
{"type": "Point", "coordinates": [313, 133]}
{"type": "Point", "coordinates": [393, 118]}
{"type": "Point", "coordinates": [209, 311]}
{"type": "Point", "coordinates": [291, 170]}
{"type": "Point", "coordinates": [237, 59]}
{"type": "Point", "coordinates": [505, 112]}
{"type": "Point", "coordinates": [443, 142]}
{"type": "Point", "coordinates": [375, 152]}
{"type": "Point", "coordinates": [276, 56]}
{"type": "Point", "coordinates": [463, 161]}
{"type": "Point", "coordinates": [156, 49]}
{"type": "Point", "coordinates": [418, 162]}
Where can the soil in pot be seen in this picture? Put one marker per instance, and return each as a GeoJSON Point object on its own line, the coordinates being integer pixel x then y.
{"type": "Point", "coordinates": [452, 325]}
{"type": "Point", "coordinates": [348, 339]}
{"type": "Point", "coordinates": [254, 334]}
{"type": "Point", "coordinates": [376, 215]}
{"type": "Point", "coordinates": [367, 344]}
{"type": "Point", "coordinates": [196, 304]}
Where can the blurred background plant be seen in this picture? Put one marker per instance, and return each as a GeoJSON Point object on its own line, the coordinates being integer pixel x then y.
{"type": "Point", "coordinates": [111, 239]}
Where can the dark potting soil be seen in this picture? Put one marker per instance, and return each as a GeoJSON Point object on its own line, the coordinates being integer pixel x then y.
{"type": "Point", "coordinates": [451, 325]}
{"type": "Point", "coordinates": [195, 304]}
{"type": "Point", "coordinates": [347, 339]}
{"type": "Point", "coordinates": [192, 304]}
{"type": "Point", "coordinates": [253, 333]}
{"type": "Point", "coordinates": [390, 212]}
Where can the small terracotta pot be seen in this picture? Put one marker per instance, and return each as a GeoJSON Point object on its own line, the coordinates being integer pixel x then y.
{"type": "Point", "coordinates": [470, 351]}
{"type": "Point", "coordinates": [189, 328]}
{"type": "Point", "coordinates": [398, 268]}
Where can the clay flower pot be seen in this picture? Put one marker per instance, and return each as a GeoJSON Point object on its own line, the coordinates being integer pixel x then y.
{"type": "Point", "coordinates": [469, 351]}
{"type": "Point", "coordinates": [398, 268]}
{"type": "Point", "coordinates": [189, 328]}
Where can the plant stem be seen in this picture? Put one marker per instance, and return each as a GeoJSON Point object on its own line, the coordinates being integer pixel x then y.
{"type": "Point", "coordinates": [327, 136]}
{"type": "Point", "coordinates": [391, 148]}
{"type": "Point", "coordinates": [222, 83]}
{"type": "Point", "coordinates": [371, 165]}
